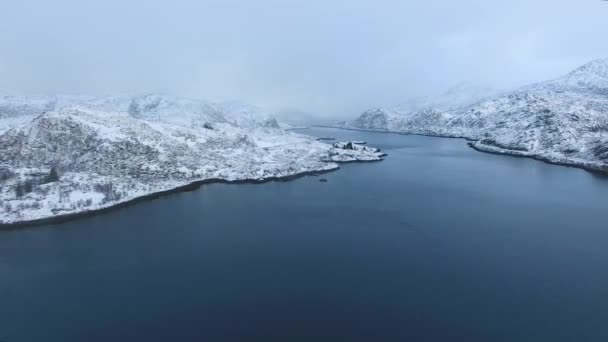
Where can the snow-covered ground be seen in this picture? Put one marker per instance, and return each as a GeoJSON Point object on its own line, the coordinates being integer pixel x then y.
{"type": "Point", "coordinates": [562, 121]}
{"type": "Point", "coordinates": [107, 151]}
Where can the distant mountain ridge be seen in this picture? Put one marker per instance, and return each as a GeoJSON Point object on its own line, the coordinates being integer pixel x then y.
{"type": "Point", "coordinates": [589, 78]}
{"type": "Point", "coordinates": [458, 96]}
{"type": "Point", "coordinates": [172, 109]}
{"type": "Point", "coordinates": [562, 121]}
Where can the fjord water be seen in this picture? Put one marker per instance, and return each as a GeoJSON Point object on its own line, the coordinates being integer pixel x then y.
{"type": "Point", "coordinates": [437, 242]}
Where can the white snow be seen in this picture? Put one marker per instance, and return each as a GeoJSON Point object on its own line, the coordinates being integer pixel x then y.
{"type": "Point", "coordinates": [563, 121]}
{"type": "Point", "coordinates": [106, 157]}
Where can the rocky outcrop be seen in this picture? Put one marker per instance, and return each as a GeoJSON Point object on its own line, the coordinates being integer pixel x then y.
{"type": "Point", "coordinates": [350, 152]}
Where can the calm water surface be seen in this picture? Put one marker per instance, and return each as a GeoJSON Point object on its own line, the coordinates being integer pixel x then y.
{"type": "Point", "coordinates": [436, 243]}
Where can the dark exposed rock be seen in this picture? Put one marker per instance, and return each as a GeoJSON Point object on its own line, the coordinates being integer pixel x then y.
{"type": "Point", "coordinates": [492, 142]}
{"type": "Point", "coordinates": [601, 152]}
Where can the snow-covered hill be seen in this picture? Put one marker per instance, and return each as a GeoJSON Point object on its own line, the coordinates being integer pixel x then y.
{"type": "Point", "coordinates": [423, 115]}
{"type": "Point", "coordinates": [245, 115]}
{"type": "Point", "coordinates": [562, 121]}
{"type": "Point", "coordinates": [80, 158]}
{"type": "Point", "coordinates": [459, 96]}
{"type": "Point", "coordinates": [18, 109]}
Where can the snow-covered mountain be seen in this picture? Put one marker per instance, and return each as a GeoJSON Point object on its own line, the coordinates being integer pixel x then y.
{"type": "Point", "coordinates": [423, 115]}
{"type": "Point", "coordinates": [591, 78]}
{"type": "Point", "coordinates": [76, 158]}
{"type": "Point", "coordinates": [459, 96]}
{"type": "Point", "coordinates": [18, 109]}
{"type": "Point", "coordinates": [563, 120]}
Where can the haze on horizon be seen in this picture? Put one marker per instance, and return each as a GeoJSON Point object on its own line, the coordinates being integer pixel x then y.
{"type": "Point", "coordinates": [330, 57]}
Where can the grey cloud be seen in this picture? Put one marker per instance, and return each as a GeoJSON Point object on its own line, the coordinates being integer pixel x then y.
{"type": "Point", "coordinates": [331, 57]}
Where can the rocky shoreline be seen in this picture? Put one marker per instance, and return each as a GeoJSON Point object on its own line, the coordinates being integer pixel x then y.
{"type": "Point", "coordinates": [478, 146]}
{"type": "Point", "coordinates": [589, 167]}
{"type": "Point", "coordinates": [78, 160]}
{"type": "Point", "coordinates": [192, 186]}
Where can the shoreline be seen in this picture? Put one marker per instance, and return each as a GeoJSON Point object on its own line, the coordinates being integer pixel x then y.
{"type": "Point", "coordinates": [516, 154]}
{"type": "Point", "coordinates": [192, 186]}
{"type": "Point", "coordinates": [598, 170]}
{"type": "Point", "coordinates": [447, 136]}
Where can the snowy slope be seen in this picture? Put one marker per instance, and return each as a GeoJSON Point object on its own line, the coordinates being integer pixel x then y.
{"type": "Point", "coordinates": [19, 109]}
{"type": "Point", "coordinates": [425, 115]}
{"type": "Point", "coordinates": [591, 78]}
{"type": "Point", "coordinates": [104, 158]}
{"type": "Point", "coordinates": [245, 115]}
{"type": "Point", "coordinates": [459, 96]}
{"type": "Point", "coordinates": [563, 120]}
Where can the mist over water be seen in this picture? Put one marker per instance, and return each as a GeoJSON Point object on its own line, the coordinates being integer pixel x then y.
{"type": "Point", "coordinates": [333, 58]}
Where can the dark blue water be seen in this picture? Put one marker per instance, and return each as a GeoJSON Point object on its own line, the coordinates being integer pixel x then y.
{"type": "Point", "coordinates": [436, 243]}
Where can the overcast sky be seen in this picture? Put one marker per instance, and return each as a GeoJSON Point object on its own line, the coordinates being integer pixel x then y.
{"type": "Point", "coordinates": [331, 57]}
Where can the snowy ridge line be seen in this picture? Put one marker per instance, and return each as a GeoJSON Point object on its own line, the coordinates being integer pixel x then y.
{"type": "Point", "coordinates": [18, 109]}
